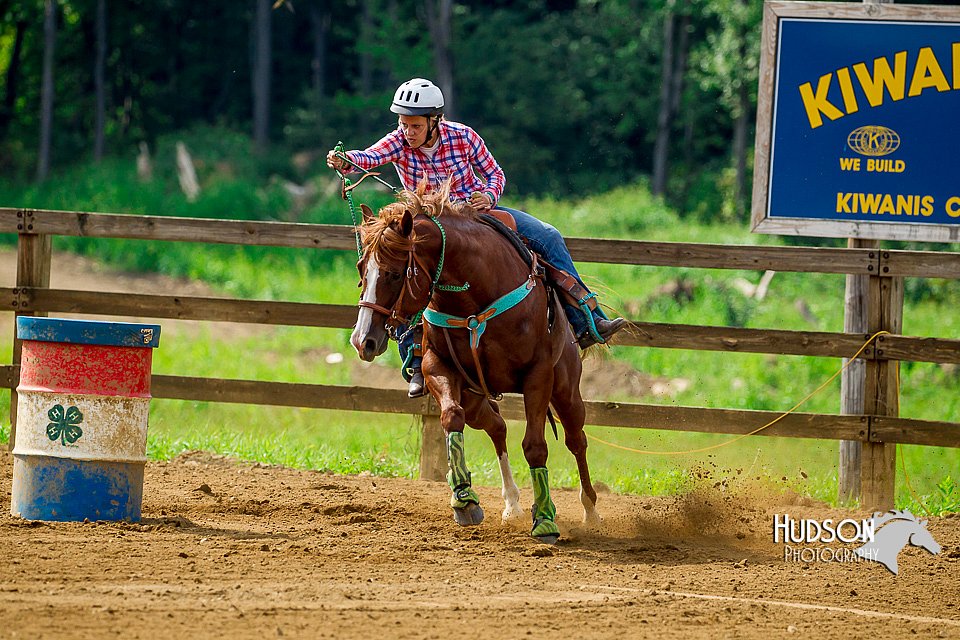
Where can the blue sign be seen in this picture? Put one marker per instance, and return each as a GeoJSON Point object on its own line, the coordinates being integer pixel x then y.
{"type": "Point", "coordinates": [866, 122]}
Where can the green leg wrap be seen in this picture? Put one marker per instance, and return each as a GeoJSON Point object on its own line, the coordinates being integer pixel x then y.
{"type": "Point", "coordinates": [544, 511]}
{"type": "Point", "coordinates": [458, 477]}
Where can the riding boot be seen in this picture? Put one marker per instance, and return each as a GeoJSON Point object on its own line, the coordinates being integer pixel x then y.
{"type": "Point", "coordinates": [411, 352]}
{"type": "Point", "coordinates": [605, 329]}
{"type": "Point", "coordinates": [416, 388]}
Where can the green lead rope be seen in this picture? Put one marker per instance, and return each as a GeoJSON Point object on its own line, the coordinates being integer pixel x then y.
{"type": "Point", "coordinates": [350, 204]}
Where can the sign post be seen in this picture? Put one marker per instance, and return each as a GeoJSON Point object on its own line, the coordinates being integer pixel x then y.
{"type": "Point", "coordinates": [856, 131]}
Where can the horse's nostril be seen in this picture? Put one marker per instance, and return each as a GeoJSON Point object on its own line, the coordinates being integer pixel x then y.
{"type": "Point", "coordinates": [370, 344]}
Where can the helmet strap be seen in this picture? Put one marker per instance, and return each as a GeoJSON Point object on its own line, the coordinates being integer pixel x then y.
{"type": "Point", "coordinates": [432, 130]}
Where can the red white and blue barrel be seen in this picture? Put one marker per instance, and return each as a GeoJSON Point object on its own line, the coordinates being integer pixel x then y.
{"type": "Point", "coordinates": [82, 406]}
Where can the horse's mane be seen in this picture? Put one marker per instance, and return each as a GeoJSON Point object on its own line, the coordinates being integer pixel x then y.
{"type": "Point", "coordinates": [380, 236]}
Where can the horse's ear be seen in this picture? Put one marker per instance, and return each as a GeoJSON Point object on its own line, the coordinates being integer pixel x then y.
{"type": "Point", "coordinates": [367, 213]}
{"type": "Point", "coordinates": [406, 223]}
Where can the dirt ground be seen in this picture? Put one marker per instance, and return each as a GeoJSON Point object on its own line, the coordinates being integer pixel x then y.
{"type": "Point", "coordinates": [237, 550]}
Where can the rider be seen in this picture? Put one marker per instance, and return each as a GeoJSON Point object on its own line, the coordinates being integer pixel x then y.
{"type": "Point", "coordinates": [425, 146]}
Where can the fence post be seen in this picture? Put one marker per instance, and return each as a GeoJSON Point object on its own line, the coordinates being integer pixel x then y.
{"type": "Point", "coordinates": [878, 473]}
{"type": "Point", "coordinates": [853, 378]}
{"type": "Point", "coordinates": [433, 446]}
{"type": "Point", "coordinates": [33, 270]}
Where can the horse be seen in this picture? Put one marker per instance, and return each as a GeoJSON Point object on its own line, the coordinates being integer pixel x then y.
{"type": "Point", "coordinates": [901, 527]}
{"type": "Point", "coordinates": [424, 255]}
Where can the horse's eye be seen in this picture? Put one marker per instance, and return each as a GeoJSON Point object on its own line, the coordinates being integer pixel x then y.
{"type": "Point", "coordinates": [360, 284]}
{"type": "Point", "coordinates": [393, 276]}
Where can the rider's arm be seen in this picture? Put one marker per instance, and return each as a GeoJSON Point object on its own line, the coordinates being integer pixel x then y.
{"type": "Point", "coordinates": [388, 149]}
{"type": "Point", "coordinates": [486, 165]}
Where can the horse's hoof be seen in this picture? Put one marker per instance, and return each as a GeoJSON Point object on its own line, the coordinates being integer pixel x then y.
{"type": "Point", "coordinates": [514, 514]}
{"type": "Point", "coordinates": [550, 539]}
{"type": "Point", "coordinates": [469, 515]}
{"type": "Point", "coordinates": [592, 519]}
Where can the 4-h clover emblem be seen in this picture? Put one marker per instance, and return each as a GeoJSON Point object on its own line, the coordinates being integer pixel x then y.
{"type": "Point", "coordinates": [64, 424]}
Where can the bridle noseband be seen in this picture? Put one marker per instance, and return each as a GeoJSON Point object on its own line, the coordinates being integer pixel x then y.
{"type": "Point", "coordinates": [396, 321]}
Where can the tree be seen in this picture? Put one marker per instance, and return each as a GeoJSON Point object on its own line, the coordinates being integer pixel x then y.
{"type": "Point", "coordinates": [675, 48]}
{"type": "Point", "coordinates": [12, 76]}
{"type": "Point", "coordinates": [728, 62]}
{"type": "Point", "coordinates": [262, 60]}
{"type": "Point", "coordinates": [46, 102]}
{"type": "Point", "coordinates": [98, 80]}
{"type": "Point", "coordinates": [439, 16]}
{"type": "Point", "coordinates": [319, 30]}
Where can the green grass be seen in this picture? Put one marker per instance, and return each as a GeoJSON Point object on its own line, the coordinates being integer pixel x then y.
{"type": "Point", "coordinates": [389, 444]}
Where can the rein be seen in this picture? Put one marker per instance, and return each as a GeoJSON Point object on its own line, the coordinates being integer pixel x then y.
{"type": "Point", "coordinates": [347, 187]}
{"type": "Point", "coordinates": [414, 264]}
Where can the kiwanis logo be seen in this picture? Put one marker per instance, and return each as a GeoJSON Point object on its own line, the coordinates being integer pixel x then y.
{"type": "Point", "coordinates": [881, 538]}
{"type": "Point", "coordinates": [874, 140]}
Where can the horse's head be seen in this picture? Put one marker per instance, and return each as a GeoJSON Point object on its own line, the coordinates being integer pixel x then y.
{"type": "Point", "coordinates": [394, 283]}
{"type": "Point", "coordinates": [922, 538]}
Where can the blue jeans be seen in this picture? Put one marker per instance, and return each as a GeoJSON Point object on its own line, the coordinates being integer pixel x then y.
{"type": "Point", "coordinates": [547, 241]}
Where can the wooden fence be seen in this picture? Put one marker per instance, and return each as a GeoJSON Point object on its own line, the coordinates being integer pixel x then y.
{"type": "Point", "coordinates": [878, 428]}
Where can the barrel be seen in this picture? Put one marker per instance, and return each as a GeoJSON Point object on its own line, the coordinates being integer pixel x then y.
{"type": "Point", "coordinates": [82, 406]}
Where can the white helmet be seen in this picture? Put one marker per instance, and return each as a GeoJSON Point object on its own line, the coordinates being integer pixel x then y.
{"type": "Point", "coordinates": [418, 97]}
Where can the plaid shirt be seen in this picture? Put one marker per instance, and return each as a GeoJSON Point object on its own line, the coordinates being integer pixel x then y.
{"type": "Point", "coordinates": [462, 155]}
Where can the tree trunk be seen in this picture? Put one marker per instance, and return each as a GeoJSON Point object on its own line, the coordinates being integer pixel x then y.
{"type": "Point", "coordinates": [740, 131]}
{"type": "Point", "coordinates": [98, 80]}
{"type": "Point", "coordinates": [46, 91]}
{"type": "Point", "coordinates": [370, 117]}
{"type": "Point", "coordinates": [664, 120]}
{"type": "Point", "coordinates": [320, 28]}
{"type": "Point", "coordinates": [440, 24]}
{"type": "Point", "coordinates": [261, 77]}
{"type": "Point", "coordinates": [12, 75]}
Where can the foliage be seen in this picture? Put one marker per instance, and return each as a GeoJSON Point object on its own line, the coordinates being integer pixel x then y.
{"type": "Point", "coordinates": [564, 91]}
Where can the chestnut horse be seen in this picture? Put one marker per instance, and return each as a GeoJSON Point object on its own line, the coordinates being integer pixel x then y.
{"type": "Point", "coordinates": [486, 319]}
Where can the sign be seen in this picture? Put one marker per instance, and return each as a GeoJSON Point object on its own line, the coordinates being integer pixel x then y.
{"type": "Point", "coordinates": [858, 123]}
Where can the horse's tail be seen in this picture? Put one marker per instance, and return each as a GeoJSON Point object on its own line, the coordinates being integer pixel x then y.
{"type": "Point", "coordinates": [553, 423]}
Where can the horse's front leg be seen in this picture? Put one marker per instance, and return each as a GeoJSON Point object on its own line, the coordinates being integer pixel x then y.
{"type": "Point", "coordinates": [536, 399]}
{"type": "Point", "coordinates": [445, 386]}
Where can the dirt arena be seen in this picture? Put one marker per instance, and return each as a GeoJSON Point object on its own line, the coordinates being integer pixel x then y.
{"type": "Point", "coordinates": [236, 550]}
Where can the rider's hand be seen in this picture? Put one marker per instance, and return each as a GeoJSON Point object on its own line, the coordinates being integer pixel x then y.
{"type": "Point", "coordinates": [335, 162]}
{"type": "Point", "coordinates": [481, 201]}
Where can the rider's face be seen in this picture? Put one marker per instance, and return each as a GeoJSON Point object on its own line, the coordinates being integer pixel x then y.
{"type": "Point", "coordinates": [415, 129]}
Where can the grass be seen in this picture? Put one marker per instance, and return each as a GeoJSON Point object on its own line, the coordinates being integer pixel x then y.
{"type": "Point", "coordinates": [389, 444]}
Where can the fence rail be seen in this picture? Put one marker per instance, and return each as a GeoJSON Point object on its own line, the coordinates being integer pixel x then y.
{"type": "Point", "coordinates": [874, 427]}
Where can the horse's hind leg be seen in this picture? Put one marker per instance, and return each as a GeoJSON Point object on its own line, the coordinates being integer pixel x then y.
{"type": "Point", "coordinates": [484, 414]}
{"type": "Point", "coordinates": [446, 388]}
{"type": "Point", "coordinates": [568, 405]}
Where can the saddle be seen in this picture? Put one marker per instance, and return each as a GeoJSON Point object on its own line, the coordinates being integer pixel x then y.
{"type": "Point", "coordinates": [565, 284]}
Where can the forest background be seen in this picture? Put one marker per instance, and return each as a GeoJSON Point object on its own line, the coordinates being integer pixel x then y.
{"type": "Point", "coordinates": [574, 97]}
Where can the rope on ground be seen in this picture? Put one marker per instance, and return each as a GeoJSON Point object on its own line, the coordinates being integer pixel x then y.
{"type": "Point", "coordinates": [903, 462]}
{"type": "Point", "coordinates": [755, 431]}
